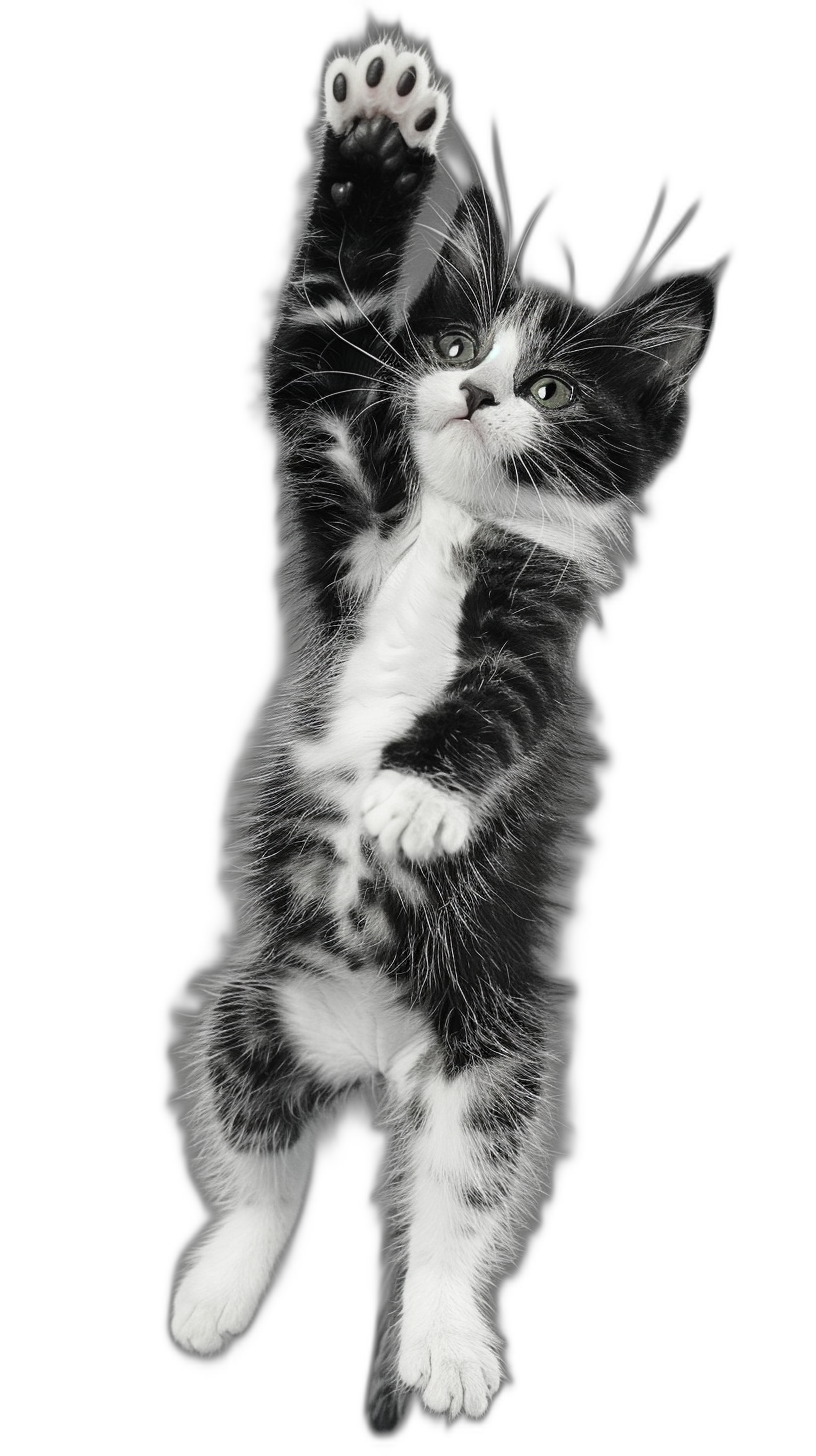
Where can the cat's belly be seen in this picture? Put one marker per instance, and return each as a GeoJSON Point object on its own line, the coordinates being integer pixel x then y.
{"type": "Point", "coordinates": [406, 653]}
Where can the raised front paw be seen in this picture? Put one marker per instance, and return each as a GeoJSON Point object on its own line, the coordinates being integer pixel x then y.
{"type": "Point", "coordinates": [406, 812]}
{"type": "Point", "coordinates": [382, 103]}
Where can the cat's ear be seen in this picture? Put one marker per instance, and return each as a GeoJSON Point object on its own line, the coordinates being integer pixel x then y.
{"type": "Point", "coordinates": [659, 338]}
{"type": "Point", "coordinates": [470, 272]}
{"type": "Point", "coordinates": [671, 324]}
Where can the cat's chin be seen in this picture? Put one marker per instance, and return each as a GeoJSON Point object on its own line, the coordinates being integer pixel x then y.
{"type": "Point", "coordinates": [458, 464]}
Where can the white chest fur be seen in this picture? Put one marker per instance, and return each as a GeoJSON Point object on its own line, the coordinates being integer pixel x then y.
{"type": "Point", "coordinates": [407, 649]}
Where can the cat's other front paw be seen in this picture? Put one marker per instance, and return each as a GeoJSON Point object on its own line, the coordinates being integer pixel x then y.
{"type": "Point", "coordinates": [390, 83]}
{"type": "Point", "coordinates": [405, 812]}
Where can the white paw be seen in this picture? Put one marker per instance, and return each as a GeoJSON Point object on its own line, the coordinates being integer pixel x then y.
{"type": "Point", "coordinates": [204, 1317]}
{"type": "Point", "coordinates": [403, 811]}
{"type": "Point", "coordinates": [223, 1286]}
{"type": "Point", "coordinates": [384, 81]}
{"type": "Point", "coordinates": [454, 1372]}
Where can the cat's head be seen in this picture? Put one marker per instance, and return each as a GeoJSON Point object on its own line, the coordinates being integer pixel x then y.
{"type": "Point", "coordinates": [530, 407]}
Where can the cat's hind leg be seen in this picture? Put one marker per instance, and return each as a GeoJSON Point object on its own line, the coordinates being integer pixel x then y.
{"type": "Point", "coordinates": [471, 1151]}
{"type": "Point", "coordinates": [226, 1275]}
{"type": "Point", "coordinates": [252, 1112]}
{"type": "Point", "coordinates": [448, 1350]}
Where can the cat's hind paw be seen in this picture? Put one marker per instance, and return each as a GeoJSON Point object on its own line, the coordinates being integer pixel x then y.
{"type": "Point", "coordinates": [386, 82]}
{"type": "Point", "coordinates": [203, 1319]}
{"type": "Point", "coordinates": [450, 1381]}
{"type": "Point", "coordinates": [224, 1282]}
{"type": "Point", "coordinates": [406, 812]}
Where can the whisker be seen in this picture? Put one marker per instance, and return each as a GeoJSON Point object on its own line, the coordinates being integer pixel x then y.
{"type": "Point", "coordinates": [631, 272]}
{"type": "Point", "coordinates": [675, 233]}
{"type": "Point", "coordinates": [498, 162]}
{"type": "Point", "coordinates": [517, 254]}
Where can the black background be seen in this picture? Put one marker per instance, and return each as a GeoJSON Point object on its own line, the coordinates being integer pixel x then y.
{"type": "Point", "coordinates": [630, 1299]}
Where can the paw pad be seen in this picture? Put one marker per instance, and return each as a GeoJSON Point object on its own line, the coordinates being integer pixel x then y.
{"type": "Point", "coordinates": [385, 81]}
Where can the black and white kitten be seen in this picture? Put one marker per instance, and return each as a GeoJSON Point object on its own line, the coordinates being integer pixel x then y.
{"type": "Point", "coordinates": [457, 486]}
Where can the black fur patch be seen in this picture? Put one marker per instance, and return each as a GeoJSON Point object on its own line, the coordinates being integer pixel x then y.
{"type": "Point", "coordinates": [264, 1097]}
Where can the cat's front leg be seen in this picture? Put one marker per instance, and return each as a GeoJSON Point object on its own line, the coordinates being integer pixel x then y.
{"type": "Point", "coordinates": [384, 113]}
{"type": "Point", "coordinates": [407, 813]}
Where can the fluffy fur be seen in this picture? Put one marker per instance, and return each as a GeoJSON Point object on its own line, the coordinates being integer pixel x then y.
{"type": "Point", "coordinates": [458, 478]}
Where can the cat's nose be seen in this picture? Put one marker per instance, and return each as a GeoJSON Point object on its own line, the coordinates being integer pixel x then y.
{"type": "Point", "coordinates": [476, 397]}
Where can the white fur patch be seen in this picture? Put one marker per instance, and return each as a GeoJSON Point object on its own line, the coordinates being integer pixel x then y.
{"type": "Point", "coordinates": [407, 650]}
{"type": "Point", "coordinates": [405, 655]}
{"type": "Point", "coordinates": [343, 312]}
{"type": "Point", "coordinates": [591, 533]}
{"type": "Point", "coordinates": [351, 1028]}
{"type": "Point", "coordinates": [341, 453]}
{"type": "Point", "coordinates": [462, 458]}
{"type": "Point", "coordinates": [365, 563]}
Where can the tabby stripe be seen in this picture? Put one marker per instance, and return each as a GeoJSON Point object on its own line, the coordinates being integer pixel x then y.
{"type": "Point", "coordinates": [338, 310]}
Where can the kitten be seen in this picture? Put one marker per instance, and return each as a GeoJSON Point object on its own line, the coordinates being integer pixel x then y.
{"type": "Point", "coordinates": [457, 484]}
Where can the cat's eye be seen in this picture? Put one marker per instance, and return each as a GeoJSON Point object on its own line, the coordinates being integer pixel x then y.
{"type": "Point", "coordinates": [551, 392]}
{"type": "Point", "coordinates": [456, 347]}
